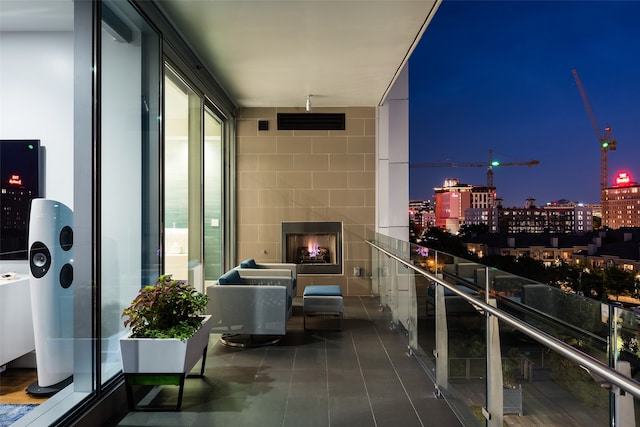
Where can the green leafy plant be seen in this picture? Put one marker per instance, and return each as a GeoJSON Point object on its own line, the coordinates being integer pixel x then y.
{"type": "Point", "coordinates": [167, 309]}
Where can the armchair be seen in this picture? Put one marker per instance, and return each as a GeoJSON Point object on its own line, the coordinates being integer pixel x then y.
{"type": "Point", "coordinates": [249, 305]}
{"type": "Point", "coordinates": [251, 267]}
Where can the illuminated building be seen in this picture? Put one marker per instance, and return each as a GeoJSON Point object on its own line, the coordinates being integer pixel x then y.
{"type": "Point", "coordinates": [556, 217]}
{"type": "Point", "coordinates": [453, 201]}
{"type": "Point", "coordinates": [421, 213]}
{"type": "Point", "coordinates": [623, 203]}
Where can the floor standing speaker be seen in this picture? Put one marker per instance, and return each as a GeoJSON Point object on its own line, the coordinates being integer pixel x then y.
{"type": "Point", "coordinates": [51, 280]}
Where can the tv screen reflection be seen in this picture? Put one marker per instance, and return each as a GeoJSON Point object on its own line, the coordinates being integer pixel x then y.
{"type": "Point", "coordinates": [19, 184]}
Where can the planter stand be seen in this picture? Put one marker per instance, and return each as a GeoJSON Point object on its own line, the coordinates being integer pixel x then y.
{"type": "Point", "coordinates": [150, 379]}
{"type": "Point", "coordinates": [163, 361]}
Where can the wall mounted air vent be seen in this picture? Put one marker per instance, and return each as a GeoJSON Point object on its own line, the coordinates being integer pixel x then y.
{"type": "Point", "coordinates": [311, 121]}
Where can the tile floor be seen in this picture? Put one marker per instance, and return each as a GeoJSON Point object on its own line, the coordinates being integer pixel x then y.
{"type": "Point", "coordinates": [359, 376]}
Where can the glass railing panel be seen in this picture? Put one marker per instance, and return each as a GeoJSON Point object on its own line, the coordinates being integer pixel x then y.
{"type": "Point", "coordinates": [576, 320]}
{"type": "Point", "coordinates": [573, 318]}
{"type": "Point", "coordinates": [626, 333]}
{"type": "Point", "coordinates": [541, 387]}
{"type": "Point", "coordinates": [466, 387]}
{"type": "Point", "coordinates": [404, 308]}
{"type": "Point", "coordinates": [579, 321]}
{"type": "Point", "coordinates": [462, 269]}
{"type": "Point", "coordinates": [425, 321]}
{"type": "Point", "coordinates": [398, 247]}
{"type": "Point", "coordinates": [380, 272]}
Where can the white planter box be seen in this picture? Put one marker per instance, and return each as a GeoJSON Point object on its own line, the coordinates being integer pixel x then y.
{"type": "Point", "coordinates": [164, 355]}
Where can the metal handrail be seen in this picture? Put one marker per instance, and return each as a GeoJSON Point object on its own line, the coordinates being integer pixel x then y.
{"type": "Point", "coordinates": [588, 362]}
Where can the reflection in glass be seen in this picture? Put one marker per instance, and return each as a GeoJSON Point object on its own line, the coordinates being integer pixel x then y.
{"type": "Point", "coordinates": [183, 190]}
{"type": "Point", "coordinates": [129, 167]}
{"type": "Point", "coordinates": [212, 196]}
{"type": "Point", "coordinates": [176, 178]}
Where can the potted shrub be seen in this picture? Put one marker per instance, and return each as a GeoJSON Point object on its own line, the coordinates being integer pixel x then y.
{"type": "Point", "coordinates": [169, 332]}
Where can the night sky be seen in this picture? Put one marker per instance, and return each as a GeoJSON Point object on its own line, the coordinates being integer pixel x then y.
{"type": "Point", "coordinates": [497, 75]}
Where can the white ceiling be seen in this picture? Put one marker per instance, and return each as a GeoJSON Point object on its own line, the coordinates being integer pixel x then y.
{"type": "Point", "coordinates": [270, 53]}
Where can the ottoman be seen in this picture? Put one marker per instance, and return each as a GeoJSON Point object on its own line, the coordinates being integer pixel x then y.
{"type": "Point", "coordinates": [322, 299]}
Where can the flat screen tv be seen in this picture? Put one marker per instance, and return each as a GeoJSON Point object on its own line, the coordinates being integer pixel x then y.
{"type": "Point", "coordinates": [20, 182]}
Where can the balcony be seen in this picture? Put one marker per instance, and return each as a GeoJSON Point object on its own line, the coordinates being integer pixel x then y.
{"type": "Point", "coordinates": [362, 375]}
{"type": "Point", "coordinates": [441, 342]}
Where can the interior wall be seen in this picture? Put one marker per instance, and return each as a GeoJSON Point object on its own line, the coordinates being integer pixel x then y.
{"type": "Point", "coordinates": [36, 83]}
{"type": "Point", "coordinates": [307, 176]}
{"type": "Point", "coordinates": [36, 102]}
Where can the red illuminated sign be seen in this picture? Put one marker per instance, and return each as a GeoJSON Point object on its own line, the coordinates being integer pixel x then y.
{"type": "Point", "coordinates": [15, 180]}
{"type": "Point", "coordinates": [623, 178]}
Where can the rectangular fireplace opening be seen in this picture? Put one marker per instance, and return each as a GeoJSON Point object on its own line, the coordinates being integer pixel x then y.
{"type": "Point", "coordinates": [315, 246]}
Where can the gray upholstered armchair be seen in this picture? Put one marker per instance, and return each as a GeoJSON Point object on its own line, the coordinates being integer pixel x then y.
{"type": "Point", "coordinates": [250, 305]}
{"type": "Point", "coordinates": [251, 267]}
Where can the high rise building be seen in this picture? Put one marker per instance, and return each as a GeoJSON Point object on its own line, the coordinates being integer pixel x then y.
{"type": "Point", "coordinates": [623, 203]}
{"type": "Point", "coordinates": [453, 200]}
{"type": "Point", "coordinates": [556, 217]}
{"type": "Point", "coordinates": [421, 213]}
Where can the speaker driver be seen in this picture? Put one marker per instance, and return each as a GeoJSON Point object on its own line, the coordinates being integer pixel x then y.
{"type": "Point", "coordinates": [66, 238]}
{"type": "Point", "coordinates": [66, 275]}
{"type": "Point", "coordinates": [39, 260]}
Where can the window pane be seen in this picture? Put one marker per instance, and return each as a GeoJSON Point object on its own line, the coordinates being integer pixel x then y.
{"type": "Point", "coordinates": [212, 196]}
{"type": "Point", "coordinates": [176, 178]}
{"type": "Point", "coordinates": [129, 167]}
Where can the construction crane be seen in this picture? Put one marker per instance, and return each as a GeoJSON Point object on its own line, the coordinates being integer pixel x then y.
{"type": "Point", "coordinates": [492, 163]}
{"type": "Point", "coordinates": [606, 144]}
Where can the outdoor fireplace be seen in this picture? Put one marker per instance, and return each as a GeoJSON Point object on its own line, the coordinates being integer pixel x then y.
{"type": "Point", "coordinates": [315, 246]}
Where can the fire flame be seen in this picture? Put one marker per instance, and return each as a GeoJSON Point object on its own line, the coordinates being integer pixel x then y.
{"type": "Point", "coordinates": [313, 249]}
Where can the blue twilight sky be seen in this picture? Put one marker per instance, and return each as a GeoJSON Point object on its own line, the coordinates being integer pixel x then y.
{"type": "Point", "coordinates": [497, 75]}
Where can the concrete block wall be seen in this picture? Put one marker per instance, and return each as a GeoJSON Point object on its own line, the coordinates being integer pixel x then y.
{"type": "Point", "coordinates": [307, 176]}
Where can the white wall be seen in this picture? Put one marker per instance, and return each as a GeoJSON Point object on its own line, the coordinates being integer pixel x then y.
{"type": "Point", "coordinates": [36, 101]}
{"type": "Point", "coordinates": [392, 151]}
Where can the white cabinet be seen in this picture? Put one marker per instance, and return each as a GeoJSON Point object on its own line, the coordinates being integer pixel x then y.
{"type": "Point", "coordinates": [16, 323]}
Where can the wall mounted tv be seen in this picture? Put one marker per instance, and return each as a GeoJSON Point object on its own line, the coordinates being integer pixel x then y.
{"type": "Point", "coordinates": [20, 182]}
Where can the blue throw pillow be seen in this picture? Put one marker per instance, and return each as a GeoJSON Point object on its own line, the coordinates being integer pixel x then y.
{"type": "Point", "coordinates": [231, 277]}
{"type": "Point", "coordinates": [249, 263]}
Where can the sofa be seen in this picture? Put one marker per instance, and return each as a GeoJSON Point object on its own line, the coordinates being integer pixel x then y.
{"type": "Point", "coordinates": [251, 267]}
{"type": "Point", "coordinates": [243, 302]}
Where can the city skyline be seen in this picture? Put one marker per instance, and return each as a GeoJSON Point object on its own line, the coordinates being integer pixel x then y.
{"type": "Point", "coordinates": [498, 76]}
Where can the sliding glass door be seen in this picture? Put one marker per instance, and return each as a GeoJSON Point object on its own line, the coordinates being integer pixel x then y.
{"type": "Point", "coordinates": [177, 147]}
{"type": "Point", "coordinates": [192, 184]}
{"type": "Point", "coordinates": [213, 224]}
{"type": "Point", "coordinates": [128, 169]}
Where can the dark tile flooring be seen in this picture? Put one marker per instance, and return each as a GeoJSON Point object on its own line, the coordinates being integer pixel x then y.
{"type": "Point", "coordinates": [358, 376]}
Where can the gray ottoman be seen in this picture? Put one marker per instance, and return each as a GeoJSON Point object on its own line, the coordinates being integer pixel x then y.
{"type": "Point", "coordinates": [322, 299]}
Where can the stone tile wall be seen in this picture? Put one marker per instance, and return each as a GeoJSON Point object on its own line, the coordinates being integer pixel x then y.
{"type": "Point", "coordinates": [307, 176]}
